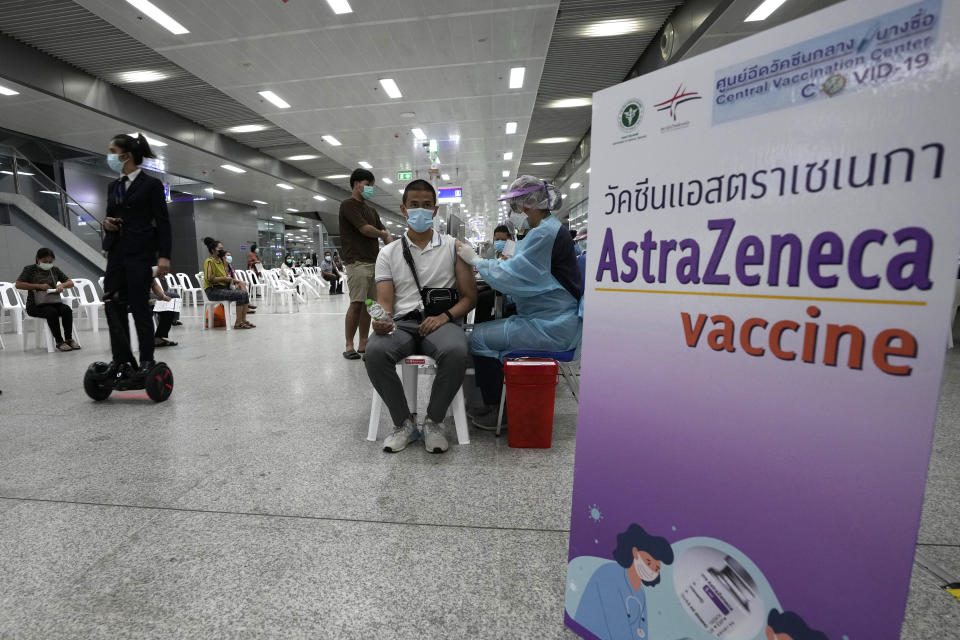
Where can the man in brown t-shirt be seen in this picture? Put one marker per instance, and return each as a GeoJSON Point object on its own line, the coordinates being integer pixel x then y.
{"type": "Point", "coordinates": [360, 228]}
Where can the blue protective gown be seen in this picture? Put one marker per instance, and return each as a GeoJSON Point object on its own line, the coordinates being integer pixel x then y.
{"type": "Point", "coordinates": [548, 316]}
{"type": "Point", "coordinates": [610, 609]}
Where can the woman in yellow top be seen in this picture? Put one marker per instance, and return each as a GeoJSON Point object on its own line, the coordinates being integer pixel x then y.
{"type": "Point", "coordinates": [217, 283]}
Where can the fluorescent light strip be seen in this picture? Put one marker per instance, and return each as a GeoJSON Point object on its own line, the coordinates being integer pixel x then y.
{"type": "Point", "coordinates": [4, 91]}
{"type": "Point", "coordinates": [52, 193]}
{"type": "Point", "coordinates": [331, 141]}
{"type": "Point", "coordinates": [230, 167]}
{"type": "Point", "coordinates": [305, 156]}
{"type": "Point", "coordinates": [293, 210]}
{"type": "Point", "coordinates": [260, 202]}
{"type": "Point", "coordinates": [516, 77]}
{"type": "Point", "coordinates": [365, 165]}
{"type": "Point", "coordinates": [278, 218]}
{"type": "Point", "coordinates": [764, 10]}
{"type": "Point", "coordinates": [391, 88]}
{"type": "Point", "coordinates": [274, 99]}
{"type": "Point", "coordinates": [511, 128]}
{"type": "Point", "coordinates": [142, 76]}
{"type": "Point", "coordinates": [575, 185]}
{"type": "Point", "coordinates": [154, 12]}
{"type": "Point", "coordinates": [246, 128]}
{"type": "Point", "coordinates": [419, 134]}
{"type": "Point", "coordinates": [320, 198]}
{"type": "Point", "coordinates": [337, 176]}
{"type": "Point", "coordinates": [285, 186]}
{"type": "Point", "coordinates": [216, 191]}
{"type": "Point", "coordinates": [340, 6]}
{"type": "Point", "coordinates": [386, 180]}
{"type": "Point", "coordinates": [569, 103]}
{"type": "Point", "coordinates": [508, 155]}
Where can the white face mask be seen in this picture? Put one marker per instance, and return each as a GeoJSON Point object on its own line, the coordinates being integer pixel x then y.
{"type": "Point", "coordinates": [518, 220]}
{"type": "Point", "coordinates": [646, 573]}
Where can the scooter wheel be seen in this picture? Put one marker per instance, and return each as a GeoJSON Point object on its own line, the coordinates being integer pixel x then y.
{"type": "Point", "coordinates": [94, 382]}
{"type": "Point", "coordinates": [159, 382]}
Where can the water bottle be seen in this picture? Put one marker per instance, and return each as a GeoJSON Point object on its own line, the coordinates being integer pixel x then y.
{"type": "Point", "coordinates": [377, 313]}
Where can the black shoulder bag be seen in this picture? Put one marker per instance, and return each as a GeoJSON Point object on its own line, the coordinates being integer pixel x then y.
{"type": "Point", "coordinates": [436, 300]}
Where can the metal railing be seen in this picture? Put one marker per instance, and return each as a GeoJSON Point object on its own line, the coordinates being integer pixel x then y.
{"type": "Point", "coordinates": [21, 176]}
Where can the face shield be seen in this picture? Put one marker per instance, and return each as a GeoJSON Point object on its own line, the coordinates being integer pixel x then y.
{"type": "Point", "coordinates": [532, 193]}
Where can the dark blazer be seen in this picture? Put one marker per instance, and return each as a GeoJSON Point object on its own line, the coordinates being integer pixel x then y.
{"type": "Point", "coordinates": [146, 223]}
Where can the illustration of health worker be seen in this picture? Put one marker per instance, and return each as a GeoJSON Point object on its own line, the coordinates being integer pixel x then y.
{"type": "Point", "coordinates": [790, 626]}
{"type": "Point", "coordinates": [614, 606]}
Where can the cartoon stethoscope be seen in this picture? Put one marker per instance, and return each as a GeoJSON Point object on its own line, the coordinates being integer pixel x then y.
{"type": "Point", "coordinates": [641, 612]}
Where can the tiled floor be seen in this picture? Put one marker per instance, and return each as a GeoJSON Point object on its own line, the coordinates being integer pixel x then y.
{"type": "Point", "coordinates": [250, 505]}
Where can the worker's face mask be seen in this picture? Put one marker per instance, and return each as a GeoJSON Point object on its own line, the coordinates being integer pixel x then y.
{"type": "Point", "coordinates": [229, 259]}
{"type": "Point", "coordinates": [646, 573]}
{"type": "Point", "coordinates": [368, 192]}
{"type": "Point", "coordinates": [500, 245]}
{"type": "Point", "coordinates": [289, 260]}
{"type": "Point", "coordinates": [46, 266]}
{"type": "Point", "coordinates": [326, 256]}
{"type": "Point", "coordinates": [519, 219]}
{"type": "Point", "coordinates": [419, 219]}
{"type": "Point", "coordinates": [114, 162]}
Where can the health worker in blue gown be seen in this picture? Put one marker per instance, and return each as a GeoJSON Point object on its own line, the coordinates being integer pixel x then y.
{"type": "Point", "coordinates": [543, 280]}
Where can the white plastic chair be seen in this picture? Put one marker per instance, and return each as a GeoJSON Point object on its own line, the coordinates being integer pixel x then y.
{"type": "Point", "coordinates": [187, 289]}
{"type": "Point", "coordinates": [170, 283]}
{"type": "Point", "coordinates": [88, 301]}
{"type": "Point", "coordinates": [256, 287]}
{"type": "Point", "coordinates": [209, 306]}
{"type": "Point", "coordinates": [11, 305]}
{"type": "Point", "coordinates": [410, 369]}
{"type": "Point", "coordinates": [43, 335]}
{"type": "Point", "coordinates": [281, 291]}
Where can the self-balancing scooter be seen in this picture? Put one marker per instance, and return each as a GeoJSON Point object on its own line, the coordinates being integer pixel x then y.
{"type": "Point", "coordinates": [102, 379]}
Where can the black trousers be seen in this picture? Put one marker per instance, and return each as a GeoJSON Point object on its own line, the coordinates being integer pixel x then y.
{"type": "Point", "coordinates": [489, 376]}
{"type": "Point", "coordinates": [126, 286]}
{"type": "Point", "coordinates": [54, 314]}
{"type": "Point", "coordinates": [336, 285]}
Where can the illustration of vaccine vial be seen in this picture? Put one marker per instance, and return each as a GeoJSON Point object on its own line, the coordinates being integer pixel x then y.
{"type": "Point", "coordinates": [718, 594]}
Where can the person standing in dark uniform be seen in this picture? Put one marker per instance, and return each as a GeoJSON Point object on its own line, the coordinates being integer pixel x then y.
{"type": "Point", "coordinates": [137, 237]}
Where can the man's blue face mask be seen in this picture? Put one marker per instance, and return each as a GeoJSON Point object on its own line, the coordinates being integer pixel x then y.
{"type": "Point", "coordinates": [500, 245]}
{"type": "Point", "coordinates": [419, 219]}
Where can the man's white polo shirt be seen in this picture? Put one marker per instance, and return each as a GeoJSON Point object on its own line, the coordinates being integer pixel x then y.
{"type": "Point", "coordinates": [435, 267]}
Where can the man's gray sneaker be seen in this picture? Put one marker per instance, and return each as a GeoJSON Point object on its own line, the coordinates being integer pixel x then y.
{"type": "Point", "coordinates": [488, 421]}
{"type": "Point", "coordinates": [434, 437]}
{"type": "Point", "coordinates": [401, 437]}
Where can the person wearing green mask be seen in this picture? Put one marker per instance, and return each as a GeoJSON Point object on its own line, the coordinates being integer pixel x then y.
{"type": "Point", "coordinates": [44, 283]}
{"type": "Point", "coordinates": [360, 231]}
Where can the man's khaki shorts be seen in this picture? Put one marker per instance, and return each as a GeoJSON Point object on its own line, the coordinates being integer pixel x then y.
{"type": "Point", "coordinates": [361, 281]}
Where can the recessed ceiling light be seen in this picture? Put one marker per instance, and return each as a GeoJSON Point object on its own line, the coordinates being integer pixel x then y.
{"type": "Point", "coordinates": [516, 77]}
{"type": "Point", "coordinates": [340, 6]}
{"type": "Point", "coordinates": [506, 174]}
{"type": "Point", "coordinates": [419, 134]}
{"type": "Point", "coordinates": [391, 88]}
{"type": "Point", "coordinates": [337, 176]}
{"type": "Point", "coordinates": [365, 165]}
{"type": "Point", "coordinates": [152, 142]}
{"type": "Point", "coordinates": [568, 103]}
{"type": "Point", "coordinates": [278, 218]}
{"type": "Point", "coordinates": [541, 164]}
{"type": "Point", "coordinates": [230, 167]}
{"type": "Point", "coordinates": [563, 195]}
{"type": "Point", "coordinates": [503, 187]}
{"type": "Point", "coordinates": [153, 12]}
{"type": "Point", "coordinates": [575, 185]}
{"type": "Point", "coordinates": [260, 202]}
{"type": "Point", "coordinates": [399, 190]}
{"type": "Point", "coordinates": [554, 140]}
{"type": "Point", "coordinates": [511, 128]}
{"type": "Point", "coordinates": [216, 191]}
{"type": "Point", "coordinates": [508, 155]}
{"type": "Point", "coordinates": [386, 180]}
{"type": "Point", "coordinates": [445, 176]}
{"type": "Point", "coordinates": [142, 76]}
{"type": "Point", "coordinates": [274, 99]}
{"type": "Point", "coordinates": [246, 128]}
{"type": "Point", "coordinates": [320, 198]}
{"type": "Point", "coordinates": [298, 221]}
{"type": "Point", "coordinates": [284, 186]}
{"type": "Point", "coordinates": [331, 141]}
{"type": "Point", "coordinates": [606, 28]}
{"type": "Point", "coordinates": [305, 156]}
{"type": "Point", "coordinates": [764, 10]}
{"type": "Point", "coordinates": [588, 169]}
{"type": "Point", "coordinates": [293, 210]}
{"type": "Point", "coordinates": [455, 138]}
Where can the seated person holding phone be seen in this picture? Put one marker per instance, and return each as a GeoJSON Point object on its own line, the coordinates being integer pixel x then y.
{"type": "Point", "coordinates": [426, 290]}
{"type": "Point", "coordinates": [44, 283]}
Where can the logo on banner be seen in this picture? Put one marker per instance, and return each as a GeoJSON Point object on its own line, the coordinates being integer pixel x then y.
{"type": "Point", "coordinates": [629, 118]}
{"type": "Point", "coordinates": [834, 84]}
{"type": "Point", "coordinates": [680, 96]}
{"type": "Point", "coordinates": [631, 114]}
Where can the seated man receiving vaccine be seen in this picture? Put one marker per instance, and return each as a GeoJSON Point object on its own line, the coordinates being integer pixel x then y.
{"type": "Point", "coordinates": [418, 282]}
